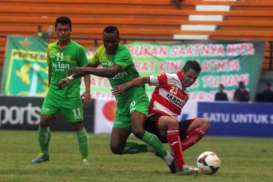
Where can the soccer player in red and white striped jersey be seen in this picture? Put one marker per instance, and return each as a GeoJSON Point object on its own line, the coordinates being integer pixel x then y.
{"type": "Point", "coordinates": [166, 104]}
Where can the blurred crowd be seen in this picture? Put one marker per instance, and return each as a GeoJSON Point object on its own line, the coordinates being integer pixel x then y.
{"type": "Point", "coordinates": [241, 94]}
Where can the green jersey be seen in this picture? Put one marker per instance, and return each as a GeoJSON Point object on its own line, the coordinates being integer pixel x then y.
{"type": "Point", "coordinates": [122, 58]}
{"type": "Point", "coordinates": [131, 100]}
{"type": "Point", "coordinates": [61, 60]}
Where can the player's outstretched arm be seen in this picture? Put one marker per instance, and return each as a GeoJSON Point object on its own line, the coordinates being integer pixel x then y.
{"type": "Point", "coordinates": [103, 72]}
{"type": "Point", "coordinates": [133, 83]}
{"type": "Point", "coordinates": [78, 72]}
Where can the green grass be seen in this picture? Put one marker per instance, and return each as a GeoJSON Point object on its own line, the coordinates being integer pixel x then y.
{"type": "Point", "coordinates": [243, 159]}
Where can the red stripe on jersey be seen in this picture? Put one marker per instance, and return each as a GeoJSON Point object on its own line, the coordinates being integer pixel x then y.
{"type": "Point", "coordinates": [156, 97]}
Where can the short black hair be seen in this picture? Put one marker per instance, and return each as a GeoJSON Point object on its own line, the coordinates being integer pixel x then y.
{"type": "Point", "coordinates": [192, 65]}
{"type": "Point", "coordinates": [64, 20]}
{"type": "Point", "coordinates": [221, 85]}
{"type": "Point", "coordinates": [111, 29]}
{"type": "Point", "coordinates": [242, 84]}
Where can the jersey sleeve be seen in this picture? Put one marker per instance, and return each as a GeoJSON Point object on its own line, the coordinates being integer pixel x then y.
{"type": "Point", "coordinates": [82, 57]}
{"type": "Point", "coordinates": [158, 80]}
{"type": "Point", "coordinates": [123, 58]}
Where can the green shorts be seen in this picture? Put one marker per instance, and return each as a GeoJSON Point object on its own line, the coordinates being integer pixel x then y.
{"type": "Point", "coordinates": [126, 107]}
{"type": "Point", "coordinates": [70, 107]}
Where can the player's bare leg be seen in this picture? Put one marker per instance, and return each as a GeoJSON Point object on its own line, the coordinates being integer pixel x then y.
{"type": "Point", "coordinates": [152, 140]}
{"type": "Point", "coordinates": [118, 139]}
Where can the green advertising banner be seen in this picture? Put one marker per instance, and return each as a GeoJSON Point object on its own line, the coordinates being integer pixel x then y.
{"type": "Point", "coordinates": [25, 67]}
{"type": "Point", "coordinates": [25, 71]}
{"type": "Point", "coordinates": [222, 62]}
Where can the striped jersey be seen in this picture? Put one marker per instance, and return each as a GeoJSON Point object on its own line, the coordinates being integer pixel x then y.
{"type": "Point", "coordinates": [169, 96]}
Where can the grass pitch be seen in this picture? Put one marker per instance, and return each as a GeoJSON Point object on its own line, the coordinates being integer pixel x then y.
{"type": "Point", "coordinates": [243, 160]}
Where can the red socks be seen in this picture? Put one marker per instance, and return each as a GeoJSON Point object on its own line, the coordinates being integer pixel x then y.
{"type": "Point", "coordinates": [175, 144]}
{"type": "Point", "coordinates": [192, 137]}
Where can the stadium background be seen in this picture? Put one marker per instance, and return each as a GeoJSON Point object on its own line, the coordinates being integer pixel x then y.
{"type": "Point", "coordinates": [149, 21]}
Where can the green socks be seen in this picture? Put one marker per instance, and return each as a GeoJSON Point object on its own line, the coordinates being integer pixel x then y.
{"type": "Point", "coordinates": [155, 143]}
{"type": "Point", "coordinates": [44, 136]}
{"type": "Point", "coordinates": [83, 142]}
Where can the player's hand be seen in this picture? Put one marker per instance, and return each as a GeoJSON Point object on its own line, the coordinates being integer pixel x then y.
{"type": "Point", "coordinates": [119, 89]}
{"type": "Point", "coordinates": [63, 82]}
{"type": "Point", "coordinates": [86, 97]}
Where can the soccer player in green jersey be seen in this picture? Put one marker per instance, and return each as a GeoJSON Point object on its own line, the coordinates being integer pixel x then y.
{"type": "Point", "coordinates": [132, 105]}
{"type": "Point", "coordinates": [63, 55]}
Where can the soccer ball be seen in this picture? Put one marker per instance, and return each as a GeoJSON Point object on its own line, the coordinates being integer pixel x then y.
{"type": "Point", "coordinates": [208, 162]}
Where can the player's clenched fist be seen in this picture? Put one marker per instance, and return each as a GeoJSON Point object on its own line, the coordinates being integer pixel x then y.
{"type": "Point", "coordinates": [63, 82]}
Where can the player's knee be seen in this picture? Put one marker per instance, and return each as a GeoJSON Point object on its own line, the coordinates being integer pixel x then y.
{"type": "Point", "coordinates": [173, 125]}
{"type": "Point", "coordinates": [44, 124]}
{"type": "Point", "coordinates": [78, 126]}
{"type": "Point", "coordinates": [44, 121]}
{"type": "Point", "coordinates": [116, 149]}
{"type": "Point", "coordinates": [205, 124]}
